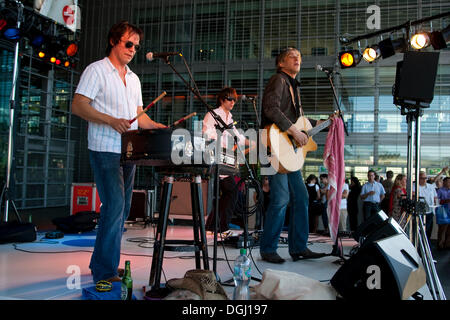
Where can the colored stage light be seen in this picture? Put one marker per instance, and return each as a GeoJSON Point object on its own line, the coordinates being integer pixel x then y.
{"type": "Point", "coordinates": [372, 53]}
{"type": "Point", "coordinates": [67, 64]}
{"type": "Point", "coordinates": [349, 58]}
{"type": "Point", "coordinates": [3, 24]}
{"type": "Point", "coordinates": [420, 40]}
{"type": "Point", "coordinates": [41, 54]}
{"type": "Point", "coordinates": [72, 49]}
{"type": "Point", "coordinates": [12, 33]}
{"type": "Point", "coordinates": [52, 59]}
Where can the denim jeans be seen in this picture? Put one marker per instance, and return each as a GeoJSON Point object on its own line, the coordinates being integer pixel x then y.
{"type": "Point", "coordinates": [285, 188]}
{"type": "Point", "coordinates": [115, 189]}
{"type": "Point", "coordinates": [370, 209]}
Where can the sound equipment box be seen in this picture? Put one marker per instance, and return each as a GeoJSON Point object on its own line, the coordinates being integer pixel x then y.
{"type": "Point", "coordinates": [181, 204]}
{"type": "Point", "coordinates": [383, 268]}
{"type": "Point", "coordinates": [139, 209]}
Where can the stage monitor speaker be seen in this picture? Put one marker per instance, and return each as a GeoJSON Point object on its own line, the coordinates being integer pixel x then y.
{"type": "Point", "coordinates": [389, 268]}
{"type": "Point", "coordinates": [386, 229]}
{"type": "Point", "coordinates": [415, 78]}
{"type": "Point", "coordinates": [370, 225]}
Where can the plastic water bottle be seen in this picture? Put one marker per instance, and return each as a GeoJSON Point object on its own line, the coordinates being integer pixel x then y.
{"type": "Point", "coordinates": [242, 276]}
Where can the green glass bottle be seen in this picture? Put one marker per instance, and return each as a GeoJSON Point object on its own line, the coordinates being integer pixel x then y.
{"type": "Point", "coordinates": [127, 283]}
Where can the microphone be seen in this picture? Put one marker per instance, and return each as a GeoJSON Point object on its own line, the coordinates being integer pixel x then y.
{"type": "Point", "coordinates": [247, 98]}
{"type": "Point", "coordinates": [150, 56]}
{"type": "Point", "coordinates": [326, 70]}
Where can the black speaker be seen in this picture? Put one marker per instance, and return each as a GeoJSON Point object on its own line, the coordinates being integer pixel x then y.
{"type": "Point", "coordinates": [388, 268]}
{"type": "Point", "coordinates": [17, 232]}
{"type": "Point", "coordinates": [370, 225]}
{"type": "Point", "coordinates": [139, 206]}
{"type": "Point", "coordinates": [415, 78]}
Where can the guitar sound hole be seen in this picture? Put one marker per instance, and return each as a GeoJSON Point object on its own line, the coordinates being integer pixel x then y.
{"type": "Point", "coordinates": [293, 142]}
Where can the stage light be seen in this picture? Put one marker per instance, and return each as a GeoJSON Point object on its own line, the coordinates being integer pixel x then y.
{"type": "Point", "coordinates": [349, 58]}
{"type": "Point", "coordinates": [58, 62]}
{"type": "Point", "coordinates": [12, 33]}
{"type": "Point", "coordinates": [37, 41]}
{"type": "Point", "coordinates": [371, 53]}
{"type": "Point", "coordinates": [41, 54]}
{"type": "Point", "coordinates": [52, 59]}
{"type": "Point", "coordinates": [3, 24]}
{"type": "Point", "coordinates": [72, 49]}
{"type": "Point", "coordinates": [389, 47]}
{"type": "Point", "coordinates": [439, 39]}
{"type": "Point", "coordinates": [420, 40]}
{"type": "Point", "coordinates": [67, 64]}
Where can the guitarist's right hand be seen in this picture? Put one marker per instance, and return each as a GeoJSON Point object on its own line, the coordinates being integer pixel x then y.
{"type": "Point", "coordinates": [300, 137]}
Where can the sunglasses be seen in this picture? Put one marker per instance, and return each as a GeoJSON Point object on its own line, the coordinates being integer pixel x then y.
{"type": "Point", "coordinates": [230, 99]}
{"type": "Point", "coordinates": [129, 44]}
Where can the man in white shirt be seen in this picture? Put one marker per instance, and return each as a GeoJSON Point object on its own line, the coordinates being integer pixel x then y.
{"type": "Point", "coordinates": [108, 96]}
{"type": "Point", "coordinates": [428, 192]}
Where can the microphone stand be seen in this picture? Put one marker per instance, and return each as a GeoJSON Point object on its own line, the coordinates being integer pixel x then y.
{"type": "Point", "coordinates": [256, 112]}
{"type": "Point", "coordinates": [221, 126]}
{"type": "Point", "coordinates": [329, 76]}
{"type": "Point", "coordinates": [6, 192]}
{"type": "Point", "coordinates": [338, 249]}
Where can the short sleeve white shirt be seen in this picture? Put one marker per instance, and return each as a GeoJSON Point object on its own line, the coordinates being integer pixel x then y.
{"type": "Point", "coordinates": [344, 200]}
{"type": "Point", "coordinates": [101, 83]}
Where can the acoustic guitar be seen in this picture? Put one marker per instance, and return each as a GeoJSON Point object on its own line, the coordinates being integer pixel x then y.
{"type": "Point", "coordinates": [286, 155]}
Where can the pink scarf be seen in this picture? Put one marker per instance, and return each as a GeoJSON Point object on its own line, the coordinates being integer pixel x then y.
{"type": "Point", "coordinates": [333, 160]}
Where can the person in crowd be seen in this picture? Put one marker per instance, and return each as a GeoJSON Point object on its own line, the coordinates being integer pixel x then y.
{"type": "Point", "coordinates": [444, 229]}
{"type": "Point", "coordinates": [315, 207]}
{"type": "Point", "coordinates": [387, 185]}
{"type": "Point", "coordinates": [352, 202]}
{"type": "Point", "coordinates": [372, 193]}
{"type": "Point", "coordinates": [398, 193]}
{"type": "Point", "coordinates": [343, 209]}
{"type": "Point", "coordinates": [324, 187]}
{"type": "Point", "coordinates": [428, 193]}
{"type": "Point", "coordinates": [108, 96]}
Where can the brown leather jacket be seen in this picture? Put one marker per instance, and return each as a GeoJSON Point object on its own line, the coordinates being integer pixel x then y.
{"type": "Point", "coordinates": [278, 104]}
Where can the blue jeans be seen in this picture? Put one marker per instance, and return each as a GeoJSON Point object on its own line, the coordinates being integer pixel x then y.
{"type": "Point", "coordinates": [115, 189]}
{"type": "Point", "coordinates": [285, 187]}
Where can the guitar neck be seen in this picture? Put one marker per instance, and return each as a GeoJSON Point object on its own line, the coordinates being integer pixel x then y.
{"type": "Point", "coordinates": [319, 128]}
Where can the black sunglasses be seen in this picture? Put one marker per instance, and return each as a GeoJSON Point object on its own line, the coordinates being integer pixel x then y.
{"type": "Point", "coordinates": [129, 44]}
{"type": "Point", "coordinates": [230, 99]}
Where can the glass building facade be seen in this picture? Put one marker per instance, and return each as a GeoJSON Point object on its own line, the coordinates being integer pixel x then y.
{"type": "Point", "coordinates": [43, 153]}
{"type": "Point", "coordinates": [234, 43]}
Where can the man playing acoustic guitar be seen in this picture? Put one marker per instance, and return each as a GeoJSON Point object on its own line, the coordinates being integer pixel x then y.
{"type": "Point", "coordinates": [281, 106]}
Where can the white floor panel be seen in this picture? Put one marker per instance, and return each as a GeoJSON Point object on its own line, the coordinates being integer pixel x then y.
{"type": "Point", "coordinates": [47, 269]}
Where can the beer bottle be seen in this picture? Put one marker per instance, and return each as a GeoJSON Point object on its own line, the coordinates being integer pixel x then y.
{"type": "Point", "coordinates": [127, 283]}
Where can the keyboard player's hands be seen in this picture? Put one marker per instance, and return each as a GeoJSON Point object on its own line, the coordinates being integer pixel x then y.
{"type": "Point", "coordinates": [120, 125]}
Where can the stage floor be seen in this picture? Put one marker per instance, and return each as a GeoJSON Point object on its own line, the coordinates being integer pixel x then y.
{"type": "Point", "coordinates": [46, 269]}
